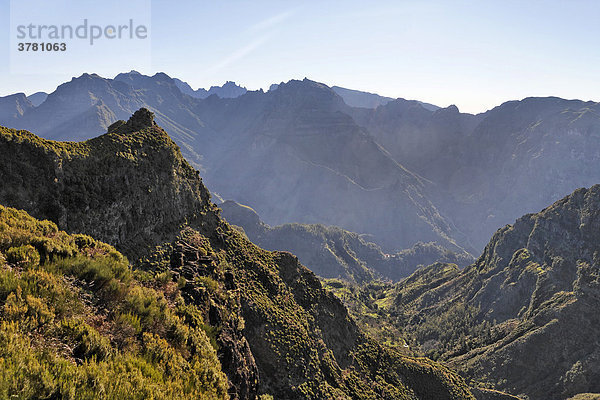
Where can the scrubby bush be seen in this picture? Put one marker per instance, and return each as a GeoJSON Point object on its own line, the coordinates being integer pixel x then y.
{"type": "Point", "coordinates": [23, 256]}
{"type": "Point", "coordinates": [88, 342]}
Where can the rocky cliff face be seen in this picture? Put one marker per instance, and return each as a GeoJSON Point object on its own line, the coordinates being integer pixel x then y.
{"type": "Point", "coordinates": [527, 305]}
{"type": "Point", "coordinates": [276, 329]}
{"type": "Point", "coordinates": [109, 187]}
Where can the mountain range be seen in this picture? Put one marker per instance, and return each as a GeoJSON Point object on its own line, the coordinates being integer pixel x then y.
{"type": "Point", "coordinates": [274, 131]}
{"type": "Point", "coordinates": [519, 319]}
{"type": "Point", "coordinates": [399, 173]}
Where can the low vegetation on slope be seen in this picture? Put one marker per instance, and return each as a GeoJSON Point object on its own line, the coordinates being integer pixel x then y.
{"type": "Point", "coordinates": [77, 322]}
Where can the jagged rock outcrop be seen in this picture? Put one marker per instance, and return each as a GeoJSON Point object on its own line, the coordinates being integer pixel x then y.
{"type": "Point", "coordinates": [128, 188]}
{"type": "Point", "coordinates": [228, 90]}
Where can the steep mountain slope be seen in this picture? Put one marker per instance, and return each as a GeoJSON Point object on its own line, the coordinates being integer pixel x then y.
{"type": "Point", "coordinates": [321, 168]}
{"type": "Point", "coordinates": [496, 166]}
{"type": "Point", "coordinates": [276, 330]}
{"type": "Point", "coordinates": [14, 106]}
{"type": "Point", "coordinates": [427, 142]}
{"type": "Point", "coordinates": [332, 252]}
{"type": "Point", "coordinates": [522, 156]}
{"type": "Point", "coordinates": [524, 317]}
{"type": "Point", "coordinates": [76, 322]}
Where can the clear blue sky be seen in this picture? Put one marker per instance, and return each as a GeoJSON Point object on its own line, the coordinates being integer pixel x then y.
{"type": "Point", "coordinates": [475, 54]}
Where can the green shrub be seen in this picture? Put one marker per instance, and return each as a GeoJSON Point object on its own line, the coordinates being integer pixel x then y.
{"type": "Point", "coordinates": [23, 256]}
{"type": "Point", "coordinates": [31, 311]}
{"type": "Point", "coordinates": [181, 282]}
{"type": "Point", "coordinates": [56, 312]}
{"type": "Point", "coordinates": [164, 277]}
{"type": "Point", "coordinates": [88, 342]}
{"type": "Point", "coordinates": [208, 283]}
{"type": "Point", "coordinates": [129, 323]}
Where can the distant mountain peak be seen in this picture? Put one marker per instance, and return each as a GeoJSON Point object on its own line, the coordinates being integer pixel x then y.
{"type": "Point", "coordinates": [451, 109]}
{"type": "Point", "coordinates": [162, 76]}
{"type": "Point", "coordinates": [84, 80]}
{"type": "Point", "coordinates": [37, 98]}
{"type": "Point", "coordinates": [306, 85]}
{"type": "Point", "coordinates": [229, 89]}
{"type": "Point", "coordinates": [227, 84]}
{"type": "Point", "coordinates": [85, 75]}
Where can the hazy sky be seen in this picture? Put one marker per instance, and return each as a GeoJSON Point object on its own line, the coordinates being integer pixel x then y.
{"type": "Point", "coordinates": [475, 54]}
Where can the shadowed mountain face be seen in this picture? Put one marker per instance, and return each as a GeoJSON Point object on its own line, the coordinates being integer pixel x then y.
{"type": "Point", "coordinates": [495, 166]}
{"type": "Point", "coordinates": [276, 330]}
{"type": "Point", "coordinates": [524, 317]}
{"type": "Point", "coordinates": [295, 155]}
{"type": "Point", "coordinates": [523, 156]}
{"type": "Point", "coordinates": [37, 98]}
{"type": "Point", "coordinates": [331, 252]}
